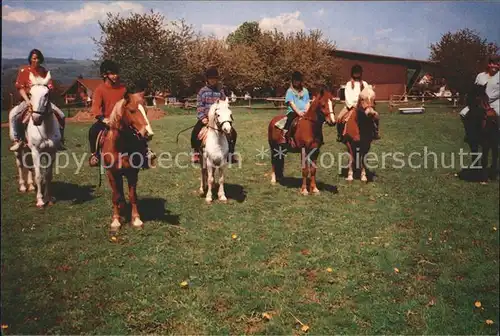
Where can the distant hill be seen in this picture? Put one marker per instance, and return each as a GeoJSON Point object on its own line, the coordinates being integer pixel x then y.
{"type": "Point", "coordinates": [62, 69]}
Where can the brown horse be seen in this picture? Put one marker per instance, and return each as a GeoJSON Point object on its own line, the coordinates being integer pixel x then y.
{"type": "Point", "coordinates": [358, 132]}
{"type": "Point", "coordinates": [481, 129]}
{"type": "Point", "coordinates": [306, 137]}
{"type": "Point", "coordinates": [123, 152]}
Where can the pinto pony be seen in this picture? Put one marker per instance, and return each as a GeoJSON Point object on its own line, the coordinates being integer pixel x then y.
{"type": "Point", "coordinates": [307, 137]}
{"type": "Point", "coordinates": [359, 130]}
{"type": "Point", "coordinates": [43, 137]}
{"type": "Point", "coordinates": [215, 148]}
{"type": "Point", "coordinates": [481, 129]}
{"type": "Point", "coordinates": [123, 152]}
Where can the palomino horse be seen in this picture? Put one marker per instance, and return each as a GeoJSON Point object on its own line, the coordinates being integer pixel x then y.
{"type": "Point", "coordinates": [481, 128]}
{"type": "Point", "coordinates": [358, 132]}
{"type": "Point", "coordinates": [123, 152]}
{"type": "Point", "coordinates": [215, 149]}
{"type": "Point", "coordinates": [307, 138]}
{"type": "Point", "coordinates": [43, 137]}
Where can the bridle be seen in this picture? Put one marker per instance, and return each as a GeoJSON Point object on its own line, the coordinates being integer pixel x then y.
{"type": "Point", "coordinates": [44, 112]}
{"type": "Point", "coordinates": [219, 124]}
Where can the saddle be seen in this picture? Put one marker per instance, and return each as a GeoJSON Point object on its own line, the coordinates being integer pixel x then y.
{"type": "Point", "coordinates": [289, 139]}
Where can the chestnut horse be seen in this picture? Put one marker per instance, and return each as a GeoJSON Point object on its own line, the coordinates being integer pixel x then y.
{"type": "Point", "coordinates": [359, 130]}
{"type": "Point", "coordinates": [123, 152]}
{"type": "Point", "coordinates": [306, 137]}
{"type": "Point", "coordinates": [481, 129]}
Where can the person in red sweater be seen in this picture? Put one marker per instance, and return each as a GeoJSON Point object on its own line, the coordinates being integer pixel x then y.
{"type": "Point", "coordinates": [23, 85]}
{"type": "Point", "coordinates": [105, 96]}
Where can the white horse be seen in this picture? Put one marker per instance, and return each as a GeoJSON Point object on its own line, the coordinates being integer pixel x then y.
{"type": "Point", "coordinates": [216, 149]}
{"type": "Point", "coordinates": [43, 137]}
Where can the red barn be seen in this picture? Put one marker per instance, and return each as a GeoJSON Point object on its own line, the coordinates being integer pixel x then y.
{"type": "Point", "coordinates": [81, 90]}
{"type": "Point", "coordinates": [390, 75]}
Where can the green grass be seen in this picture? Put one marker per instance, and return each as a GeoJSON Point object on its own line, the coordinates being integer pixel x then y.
{"type": "Point", "coordinates": [61, 274]}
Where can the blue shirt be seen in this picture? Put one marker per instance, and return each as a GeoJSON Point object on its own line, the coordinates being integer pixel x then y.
{"type": "Point", "coordinates": [206, 97]}
{"type": "Point", "coordinates": [300, 102]}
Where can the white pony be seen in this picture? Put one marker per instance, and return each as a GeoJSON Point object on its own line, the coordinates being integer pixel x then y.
{"type": "Point", "coordinates": [216, 148]}
{"type": "Point", "coordinates": [43, 137]}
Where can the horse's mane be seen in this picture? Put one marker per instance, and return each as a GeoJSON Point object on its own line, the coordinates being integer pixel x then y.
{"type": "Point", "coordinates": [116, 114]}
{"type": "Point", "coordinates": [367, 93]}
{"type": "Point", "coordinates": [211, 115]}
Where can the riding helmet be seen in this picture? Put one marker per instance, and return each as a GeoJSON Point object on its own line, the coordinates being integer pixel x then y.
{"type": "Point", "coordinates": [212, 72]}
{"type": "Point", "coordinates": [297, 76]}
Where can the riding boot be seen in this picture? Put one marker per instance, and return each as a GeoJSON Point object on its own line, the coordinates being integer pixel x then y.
{"type": "Point", "coordinates": [61, 144]}
{"type": "Point", "coordinates": [376, 134]}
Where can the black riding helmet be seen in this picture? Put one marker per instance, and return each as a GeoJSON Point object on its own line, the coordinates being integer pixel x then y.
{"type": "Point", "coordinates": [356, 69]}
{"type": "Point", "coordinates": [109, 66]}
{"type": "Point", "coordinates": [212, 72]}
{"type": "Point", "coordinates": [297, 76]}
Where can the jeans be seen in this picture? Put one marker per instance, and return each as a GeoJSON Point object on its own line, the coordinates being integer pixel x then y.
{"type": "Point", "coordinates": [16, 113]}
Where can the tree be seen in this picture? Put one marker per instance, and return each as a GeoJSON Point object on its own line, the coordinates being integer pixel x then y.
{"type": "Point", "coordinates": [146, 48]}
{"type": "Point", "coordinates": [248, 33]}
{"type": "Point", "coordinates": [461, 56]}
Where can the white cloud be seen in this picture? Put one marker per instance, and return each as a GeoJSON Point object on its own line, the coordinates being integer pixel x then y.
{"type": "Point", "coordinates": [90, 12]}
{"type": "Point", "coordinates": [220, 31]}
{"type": "Point", "coordinates": [17, 15]}
{"type": "Point", "coordinates": [320, 12]}
{"type": "Point", "coordinates": [286, 23]}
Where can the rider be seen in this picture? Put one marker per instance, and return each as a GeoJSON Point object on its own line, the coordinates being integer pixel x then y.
{"type": "Point", "coordinates": [352, 90]}
{"type": "Point", "coordinates": [297, 100]}
{"type": "Point", "coordinates": [206, 97]}
{"type": "Point", "coordinates": [35, 59]}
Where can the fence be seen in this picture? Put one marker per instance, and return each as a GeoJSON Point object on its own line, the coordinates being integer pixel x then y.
{"type": "Point", "coordinates": [422, 101]}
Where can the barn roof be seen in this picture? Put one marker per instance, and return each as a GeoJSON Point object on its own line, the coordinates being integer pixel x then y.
{"type": "Point", "coordinates": [89, 83]}
{"type": "Point", "coordinates": [380, 58]}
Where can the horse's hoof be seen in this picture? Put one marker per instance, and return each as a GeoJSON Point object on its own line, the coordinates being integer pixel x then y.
{"type": "Point", "coordinates": [22, 189]}
{"type": "Point", "coordinates": [364, 179]}
{"type": "Point", "coordinates": [304, 192]}
{"type": "Point", "coordinates": [115, 225]}
{"type": "Point", "coordinates": [208, 201]}
{"type": "Point", "coordinates": [483, 182]}
{"type": "Point", "coordinates": [223, 199]}
{"type": "Point", "coordinates": [315, 191]}
{"type": "Point", "coordinates": [138, 223]}
{"type": "Point", "coordinates": [201, 192]}
{"type": "Point", "coordinates": [31, 188]}
{"type": "Point", "coordinates": [273, 182]}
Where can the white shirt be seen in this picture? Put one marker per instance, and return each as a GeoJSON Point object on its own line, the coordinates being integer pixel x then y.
{"type": "Point", "coordinates": [492, 90]}
{"type": "Point", "coordinates": [352, 95]}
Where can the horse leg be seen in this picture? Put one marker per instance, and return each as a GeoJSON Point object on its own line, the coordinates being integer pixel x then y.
{"type": "Point", "coordinates": [132, 179]}
{"type": "Point", "coordinates": [31, 184]}
{"type": "Point", "coordinates": [20, 172]}
{"type": "Point", "coordinates": [38, 178]}
{"type": "Point", "coordinates": [51, 200]}
{"type": "Point", "coordinates": [210, 182]}
{"type": "Point", "coordinates": [312, 170]}
{"type": "Point", "coordinates": [278, 163]}
{"type": "Point", "coordinates": [116, 183]}
{"type": "Point", "coordinates": [363, 168]}
{"type": "Point", "coordinates": [350, 177]}
{"type": "Point", "coordinates": [221, 193]}
{"type": "Point", "coordinates": [305, 172]}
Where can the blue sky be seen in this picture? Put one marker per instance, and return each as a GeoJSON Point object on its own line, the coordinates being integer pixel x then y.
{"type": "Point", "coordinates": [401, 29]}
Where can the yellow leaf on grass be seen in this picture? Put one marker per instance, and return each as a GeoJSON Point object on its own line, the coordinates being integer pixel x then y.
{"type": "Point", "coordinates": [267, 316]}
{"type": "Point", "coordinates": [329, 270]}
{"type": "Point", "coordinates": [396, 269]}
{"type": "Point", "coordinates": [477, 304]}
{"type": "Point", "coordinates": [234, 236]}
{"type": "Point", "coordinates": [184, 284]}
{"type": "Point", "coordinates": [489, 322]}
{"type": "Point", "coordinates": [494, 228]}
{"type": "Point", "coordinates": [304, 328]}
{"type": "Point", "coordinates": [114, 238]}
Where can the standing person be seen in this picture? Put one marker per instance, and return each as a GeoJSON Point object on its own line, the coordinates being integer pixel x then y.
{"type": "Point", "coordinates": [206, 97]}
{"type": "Point", "coordinates": [23, 85]}
{"type": "Point", "coordinates": [297, 100]}
{"type": "Point", "coordinates": [352, 90]}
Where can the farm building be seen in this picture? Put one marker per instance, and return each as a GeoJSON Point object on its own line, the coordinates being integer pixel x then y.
{"type": "Point", "coordinates": [390, 75]}
{"type": "Point", "coordinates": [81, 90]}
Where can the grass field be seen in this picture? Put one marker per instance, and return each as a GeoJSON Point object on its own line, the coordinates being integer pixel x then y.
{"type": "Point", "coordinates": [410, 253]}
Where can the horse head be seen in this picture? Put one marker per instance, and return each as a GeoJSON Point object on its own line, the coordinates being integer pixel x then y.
{"type": "Point", "coordinates": [130, 115]}
{"type": "Point", "coordinates": [220, 116]}
{"type": "Point", "coordinates": [366, 101]}
{"type": "Point", "coordinates": [39, 97]}
{"type": "Point", "coordinates": [324, 103]}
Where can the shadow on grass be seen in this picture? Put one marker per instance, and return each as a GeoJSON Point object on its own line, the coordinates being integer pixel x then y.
{"type": "Point", "coordinates": [477, 175]}
{"type": "Point", "coordinates": [234, 192]}
{"type": "Point", "coordinates": [296, 183]}
{"type": "Point", "coordinates": [154, 209]}
{"type": "Point", "coordinates": [78, 194]}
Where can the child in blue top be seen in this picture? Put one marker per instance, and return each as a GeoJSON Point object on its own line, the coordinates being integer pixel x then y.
{"type": "Point", "coordinates": [297, 100]}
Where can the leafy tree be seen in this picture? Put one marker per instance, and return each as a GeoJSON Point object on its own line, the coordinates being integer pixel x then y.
{"type": "Point", "coordinates": [145, 47]}
{"type": "Point", "coordinates": [461, 56]}
{"type": "Point", "coordinates": [248, 33]}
